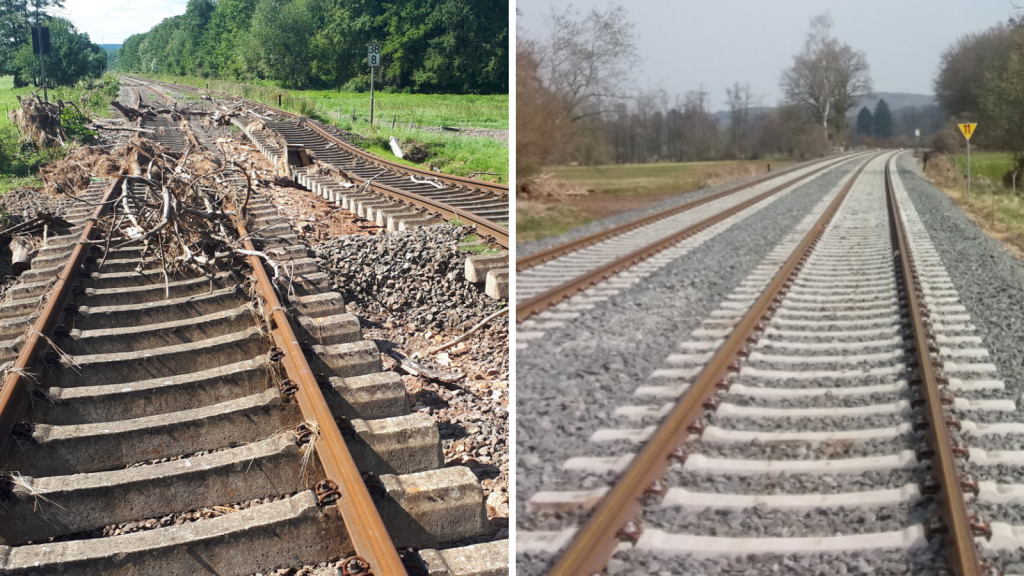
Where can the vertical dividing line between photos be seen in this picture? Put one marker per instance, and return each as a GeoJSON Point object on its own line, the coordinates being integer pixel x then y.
{"type": "Point", "coordinates": [512, 388]}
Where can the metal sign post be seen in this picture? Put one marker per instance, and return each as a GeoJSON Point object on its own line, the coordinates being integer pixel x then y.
{"type": "Point", "coordinates": [41, 48]}
{"type": "Point", "coordinates": [373, 56]}
{"type": "Point", "coordinates": [967, 129]}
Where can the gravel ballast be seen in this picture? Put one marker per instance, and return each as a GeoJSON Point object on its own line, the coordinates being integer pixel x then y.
{"type": "Point", "coordinates": [410, 292]}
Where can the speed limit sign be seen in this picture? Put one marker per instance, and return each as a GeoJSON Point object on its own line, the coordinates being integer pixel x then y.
{"type": "Point", "coordinates": [374, 55]}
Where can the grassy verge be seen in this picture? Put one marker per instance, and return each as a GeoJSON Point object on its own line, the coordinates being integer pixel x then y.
{"type": "Point", "coordinates": [596, 192]}
{"type": "Point", "coordinates": [989, 165]}
{"type": "Point", "coordinates": [350, 111]}
{"type": "Point", "coordinates": [19, 163]}
{"type": "Point", "coordinates": [996, 209]}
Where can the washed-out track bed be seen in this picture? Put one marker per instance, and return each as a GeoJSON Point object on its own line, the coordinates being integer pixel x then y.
{"type": "Point", "coordinates": [166, 431]}
{"type": "Point", "coordinates": [822, 444]}
{"type": "Point", "coordinates": [393, 196]}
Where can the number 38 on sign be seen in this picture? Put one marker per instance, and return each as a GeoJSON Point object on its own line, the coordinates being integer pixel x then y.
{"type": "Point", "coordinates": [374, 55]}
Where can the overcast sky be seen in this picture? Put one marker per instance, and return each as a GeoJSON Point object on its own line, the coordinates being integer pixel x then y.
{"type": "Point", "coordinates": [685, 43]}
{"type": "Point", "coordinates": [111, 21]}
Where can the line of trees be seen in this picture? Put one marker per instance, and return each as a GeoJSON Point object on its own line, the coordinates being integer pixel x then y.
{"type": "Point", "coordinates": [577, 81]}
{"type": "Point", "coordinates": [440, 46]}
{"type": "Point", "coordinates": [981, 79]}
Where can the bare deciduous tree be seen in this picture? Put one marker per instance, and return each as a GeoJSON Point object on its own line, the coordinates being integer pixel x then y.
{"type": "Point", "coordinates": [541, 121]}
{"type": "Point", "coordinates": [827, 76]}
{"type": "Point", "coordinates": [590, 59]}
{"type": "Point", "coordinates": [740, 99]}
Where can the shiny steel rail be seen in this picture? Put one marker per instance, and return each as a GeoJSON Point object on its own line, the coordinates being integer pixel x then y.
{"type": "Point", "coordinates": [594, 544]}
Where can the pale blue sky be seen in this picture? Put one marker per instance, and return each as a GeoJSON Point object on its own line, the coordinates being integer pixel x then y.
{"type": "Point", "coordinates": [716, 42]}
{"type": "Point", "coordinates": [111, 21]}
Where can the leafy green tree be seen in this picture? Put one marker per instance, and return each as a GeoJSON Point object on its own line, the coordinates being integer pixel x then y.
{"type": "Point", "coordinates": [229, 24]}
{"type": "Point", "coordinates": [278, 44]}
{"type": "Point", "coordinates": [882, 120]}
{"type": "Point", "coordinates": [339, 48]}
{"type": "Point", "coordinates": [16, 20]}
{"type": "Point", "coordinates": [467, 47]}
{"type": "Point", "coordinates": [1002, 106]}
{"type": "Point", "coordinates": [73, 56]}
{"type": "Point", "coordinates": [865, 122]}
{"type": "Point", "coordinates": [427, 45]}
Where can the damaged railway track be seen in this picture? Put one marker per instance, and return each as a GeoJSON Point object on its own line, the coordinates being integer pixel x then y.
{"type": "Point", "coordinates": [391, 195]}
{"type": "Point", "coordinates": [183, 394]}
{"type": "Point", "coordinates": [413, 194]}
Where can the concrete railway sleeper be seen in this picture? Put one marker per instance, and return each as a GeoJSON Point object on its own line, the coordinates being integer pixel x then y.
{"type": "Point", "coordinates": [813, 411]}
{"type": "Point", "coordinates": [192, 427]}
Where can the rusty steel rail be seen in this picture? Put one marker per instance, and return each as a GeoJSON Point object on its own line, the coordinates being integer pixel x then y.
{"type": "Point", "coordinates": [492, 231]}
{"type": "Point", "coordinates": [958, 525]}
{"type": "Point", "coordinates": [543, 301]}
{"type": "Point", "coordinates": [14, 397]}
{"type": "Point", "coordinates": [360, 515]}
{"type": "Point", "coordinates": [362, 520]}
{"type": "Point", "coordinates": [595, 543]}
{"type": "Point", "coordinates": [543, 256]}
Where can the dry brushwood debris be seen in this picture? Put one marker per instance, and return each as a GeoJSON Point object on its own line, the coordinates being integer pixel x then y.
{"type": "Point", "coordinates": [77, 169]}
{"type": "Point", "coordinates": [177, 208]}
{"type": "Point", "coordinates": [546, 186]}
{"type": "Point", "coordinates": [39, 121]}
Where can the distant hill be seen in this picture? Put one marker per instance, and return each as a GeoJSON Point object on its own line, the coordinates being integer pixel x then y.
{"type": "Point", "coordinates": [111, 50]}
{"type": "Point", "coordinates": [723, 118]}
{"type": "Point", "coordinates": [895, 100]}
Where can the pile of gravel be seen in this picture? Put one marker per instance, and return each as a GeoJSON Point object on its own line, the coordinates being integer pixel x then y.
{"type": "Point", "coordinates": [415, 277]}
{"type": "Point", "coordinates": [21, 205]}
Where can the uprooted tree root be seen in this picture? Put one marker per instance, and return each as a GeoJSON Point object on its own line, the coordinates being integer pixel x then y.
{"type": "Point", "coordinates": [38, 121]}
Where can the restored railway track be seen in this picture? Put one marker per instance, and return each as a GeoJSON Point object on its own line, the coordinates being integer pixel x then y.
{"type": "Point", "coordinates": [817, 412]}
{"type": "Point", "coordinates": [549, 278]}
{"type": "Point", "coordinates": [212, 423]}
{"type": "Point", "coordinates": [392, 194]}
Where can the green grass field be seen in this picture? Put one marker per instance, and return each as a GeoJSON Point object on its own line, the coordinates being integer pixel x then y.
{"type": "Point", "coordinates": [611, 189]}
{"type": "Point", "coordinates": [19, 164]}
{"type": "Point", "coordinates": [991, 165]}
{"type": "Point", "coordinates": [452, 154]}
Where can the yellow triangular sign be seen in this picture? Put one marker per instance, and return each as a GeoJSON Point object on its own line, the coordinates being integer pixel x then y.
{"type": "Point", "coordinates": [968, 129]}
